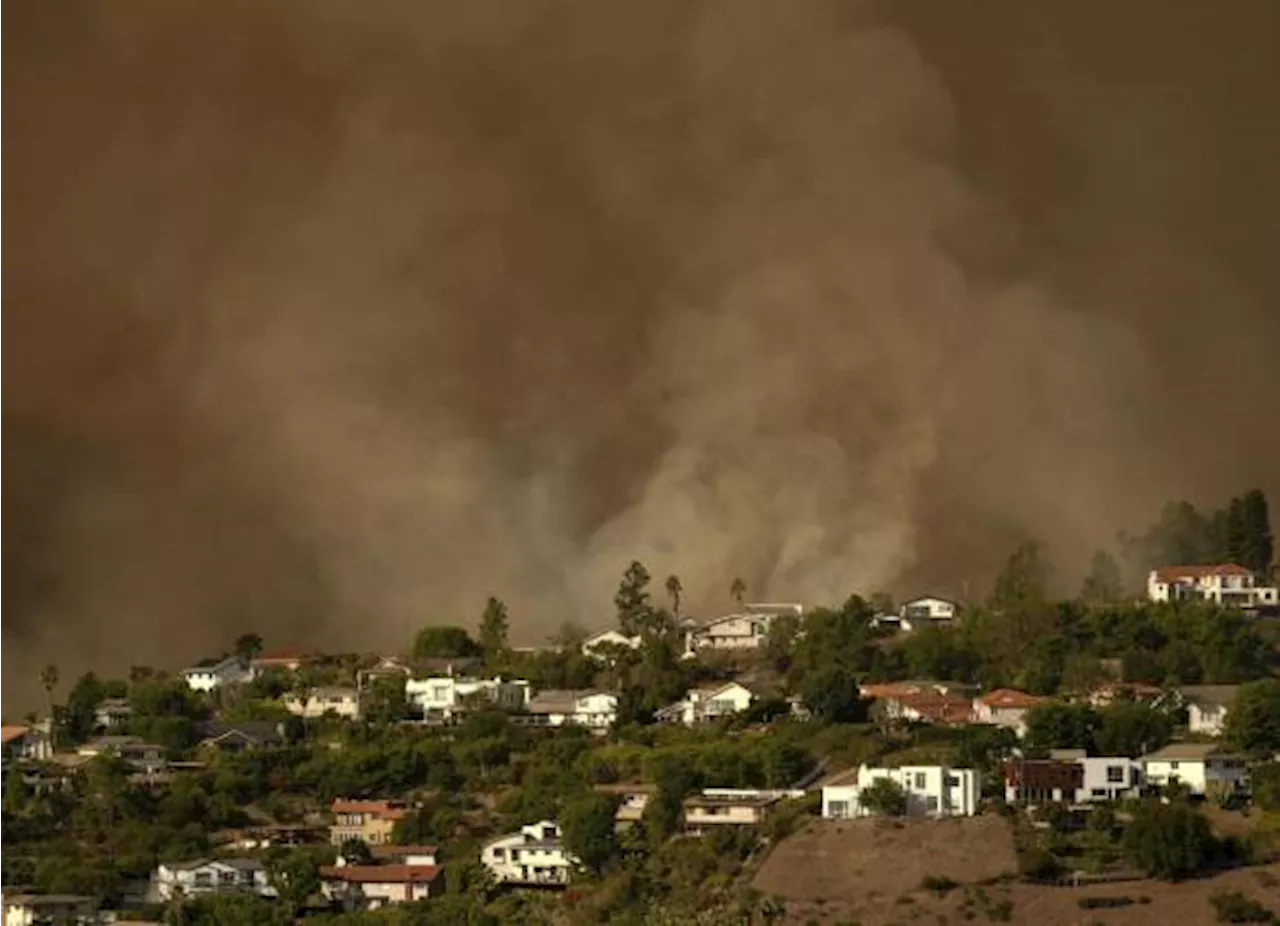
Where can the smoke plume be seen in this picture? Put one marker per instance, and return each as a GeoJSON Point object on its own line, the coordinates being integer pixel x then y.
{"type": "Point", "coordinates": [328, 320]}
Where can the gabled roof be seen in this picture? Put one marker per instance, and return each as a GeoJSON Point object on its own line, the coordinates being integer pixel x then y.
{"type": "Point", "coordinates": [1185, 752]}
{"type": "Point", "coordinates": [1010, 698]}
{"type": "Point", "coordinates": [389, 809]}
{"type": "Point", "coordinates": [1169, 574]}
{"type": "Point", "coordinates": [13, 731]}
{"type": "Point", "coordinates": [381, 874]}
{"type": "Point", "coordinates": [253, 731]}
{"type": "Point", "coordinates": [938, 708]}
{"type": "Point", "coordinates": [1209, 695]}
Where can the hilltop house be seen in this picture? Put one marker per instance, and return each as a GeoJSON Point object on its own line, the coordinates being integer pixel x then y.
{"type": "Point", "coordinates": [931, 790]}
{"type": "Point", "coordinates": [443, 696]}
{"type": "Point", "coordinates": [535, 856]}
{"type": "Point", "coordinates": [928, 611]}
{"type": "Point", "coordinates": [385, 667]}
{"type": "Point", "coordinates": [601, 641]}
{"type": "Point", "coordinates": [708, 703]}
{"type": "Point", "coordinates": [20, 741]}
{"type": "Point", "coordinates": [632, 800]}
{"type": "Point", "coordinates": [1203, 768]}
{"type": "Point", "coordinates": [1226, 584]}
{"type": "Point", "coordinates": [339, 701]}
{"type": "Point", "coordinates": [208, 674]}
{"type": "Point", "coordinates": [1042, 781]}
{"type": "Point", "coordinates": [1006, 707]}
{"type": "Point", "coordinates": [369, 821]}
{"type": "Point", "coordinates": [596, 710]}
{"type": "Point", "coordinates": [1207, 707]}
{"type": "Point", "coordinates": [210, 876]}
{"type": "Point", "coordinates": [112, 713]}
{"type": "Point", "coordinates": [745, 630]}
{"type": "Point", "coordinates": [285, 660]}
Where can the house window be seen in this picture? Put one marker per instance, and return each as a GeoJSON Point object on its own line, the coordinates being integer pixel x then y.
{"type": "Point", "coordinates": [1115, 774]}
{"type": "Point", "coordinates": [1173, 765]}
{"type": "Point", "coordinates": [953, 781]}
{"type": "Point", "coordinates": [499, 854]}
{"type": "Point", "coordinates": [920, 780]}
{"type": "Point", "coordinates": [838, 809]}
{"type": "Point", "coordinates": [226, 877]}
{"type": "Point", "coordinates": [204, 879]}
{"type": "Point", "coordinates": [1099, 792]}
{"type": "Point", "coordinates": [548, 832]}
{"type": "Point", "coordinates": [931, 804]}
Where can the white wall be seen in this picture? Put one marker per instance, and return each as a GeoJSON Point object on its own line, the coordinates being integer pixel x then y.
{"type": "Point", "coordinates": [931, 790]}
{"type": "Point", "coordinates": [1108, 778]}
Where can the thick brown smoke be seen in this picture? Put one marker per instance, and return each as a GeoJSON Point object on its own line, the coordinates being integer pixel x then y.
{"type": "Point", "coordinates": [328, 319]}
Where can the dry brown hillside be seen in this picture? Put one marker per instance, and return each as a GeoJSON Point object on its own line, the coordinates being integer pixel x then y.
{"type": "Point", "coordinates": [870, 872]}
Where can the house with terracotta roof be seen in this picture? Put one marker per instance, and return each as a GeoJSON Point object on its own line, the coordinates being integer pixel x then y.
{"type": "Point", "coordinates": [286, 660]}
{"type": "Point", "coordinates": [368, 887]}
{"type": "Point", "coordinates": [1224, 583]}
{"type": "Point", "coordinates": [369, 821]}
{"type": "Point", "coordinates": [20, 741]}
{"type": "Point", "coordinates": [926, 706]}
{"type": "Point", "coordinates": [1006, 707]}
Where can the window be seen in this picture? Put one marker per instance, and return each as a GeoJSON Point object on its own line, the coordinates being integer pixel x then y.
{"type": "Point", "coordinates": [920, 779]}
{"type": "Point", "coordinates": [1098, 792]}
{"type": "Point", "coordinates": [226, 877]}
{"type": "Point", "coordinates": [1173, 765]}
{"type": "Point", "coordinates": [548, 832]}
{"type": "Point", "coordinates": [204, 879]}
{"type": "Point", "coordinates": [931, 804]}
{"type": "Point", "coordinates": [953, 781]}
{"type": "Point", "coordinates": [1115, 774]}
{"type": "Point", "coordinates": [499, 853]}
{"type": "Point", "coordinates": [838, 809]}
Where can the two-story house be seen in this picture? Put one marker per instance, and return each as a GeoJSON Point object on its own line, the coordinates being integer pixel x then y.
{"type": "Point", "coordinates": [747, 629]}
{"type": "Point", "coordinates": [1042, 781]}
{"type": "Point", "coordinates": [928, 611]}
{"type": "Point", "coordinates": [1105, 778]}
{"type": "Point", "coordinates": [369, 821]}
{"type": "Point", "coordinates": [709, 703]}
{"type": "Point", "coordinates": [1203, 768]}
{"type": "Point", "coordinates": [1006, 707]}
{"type": "Point", "coordinates": [210, 876]}
{"type": "Point", "coordinates": [1226, 584]}
{"type": "Point", "coordinates": [208, 674]}
{"type": "Point", "coordinates": [595, 710]}
{"type": "Point", "coordinates": [442, 697]}
{"type": "Point", "coordinates": [931, 790]}
{"type": "Point", "coordinates": [335, 700]}
{"type": "Point", "coordinates": [370, 887]}
{"type": "Point", "coordinates": [533, 856]}
{"type": "Point", "coordinates": [22, 742]}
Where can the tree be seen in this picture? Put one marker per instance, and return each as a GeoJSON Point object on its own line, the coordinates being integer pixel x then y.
{"type": "Point", "coordinates": [1054, 725]}
{"type": "Point", "coordinates": [444, 642]}
{"type": "Point", "coordinates": [49, 681]}
{"type": "Point", "coordinates": [494, 625]}
{"type": "Point", "coordinates": [1256, 542]}
{"type": "Point", "coordinates": [1104, 583]}
{"type": "Point", "coordinates": [738, 589]}
{"type": "Point", "coordinates": [1024, 580]}
{"type": "Point", "coordinates": [247, 646]}
{"type": "Point", "coordinates": [1253, 720]}
{"type": "Point", "coordinates": [675, 591]}
{"type": "Point", "coordinates": [884, 796]}
{"type": "Point", "coordinates": [673, 779]}
{"type": "Point", "coordinates": [295, 875]}
{"type": "Point", "coordinates": [632, 599]}
{"type": "Point", "coordinates": [1169, 841]}
{"type": "Point", "coordinates": [590, 831]}
{"type": "Point", "coordinates": [356, 852]}
{"type": "Point", "coordinates": [1264, 783]}
{"type": "Point", "coordinates": [833, 696]}
{"type": "Point", "coordinates": [384, 701]}
{"type": "Point", "coordinates": [1128, 728]}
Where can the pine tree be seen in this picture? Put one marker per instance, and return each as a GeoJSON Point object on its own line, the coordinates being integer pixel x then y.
{"type": "Point", "coordinates": [1257, 543]}
{"type": "Point", "coordinates": [632, 599]}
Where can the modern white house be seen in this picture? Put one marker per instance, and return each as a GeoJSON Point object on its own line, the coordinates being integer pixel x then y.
{"type": "Point", "coordinates": [535, 856]}
{"type": "Point", "coordinates": [208, 674]}
{"type": "Point", "coordinates": [600, 642]}
{"type": "Point", "coordinates": [1203, 768]}
{"type": "Point", "coordinates": [596, 710]}
{"type": "Point", "coordinates": [338, 701]}
{"type": "Point", "coordinates": [444, 696]}
{"type": "Point", "coordinates": [1207, 707]}
{"type": "Point", "coordinates": [708, 703]}
{"type": "Point", "coordinates": [1225, 583]}
{"type": "Point", "coordinates": [926, 612]}
{"type": "Point", "coordinates": [1104, 778]}
{"type": "Point", "coordinates": [210, 876]}
{"type": "Point", "coordinates": [744, 630]}
{"type": "Point", "coordinates": [931, 790]}
{"type": "Point", "coordinates": [369, 887]}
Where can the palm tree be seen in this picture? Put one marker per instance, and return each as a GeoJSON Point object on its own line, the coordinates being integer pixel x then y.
{"type": "Point", "coordinates": [49, 681]}
{"type": "Point", "coordinates": [738, 589]}
{"type": "Point", "coordinates": [674, 591]}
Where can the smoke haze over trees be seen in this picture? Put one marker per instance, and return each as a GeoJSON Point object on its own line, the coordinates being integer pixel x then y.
{"type": "Point", "coordinates": [328, 320]}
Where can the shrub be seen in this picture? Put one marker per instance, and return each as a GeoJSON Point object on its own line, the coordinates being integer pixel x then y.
{"type": "Point", "coordinates": [1036, 864]}
{"type": "Point", "coordinates": [1169, 841]}
{"type": "Point", "coordinates": [1234, 907]}
{"type": "Point", "coordinates": [938, 884]}
{"type": "Point", "coordinates": [1104, 903]}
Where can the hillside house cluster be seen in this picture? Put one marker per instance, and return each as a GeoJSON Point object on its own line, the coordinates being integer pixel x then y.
{"type": "Point", "coordinates": [1225, 584]}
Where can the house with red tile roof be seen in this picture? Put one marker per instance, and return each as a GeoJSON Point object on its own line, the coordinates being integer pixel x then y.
{"type": "Point", "coordinates": [1006, 707]}
{"type": "Point", "coordinates": [1223, 583]}
{"type": "Point", "coordinates": [19, 741]}
{"type": "Point", "coordinates": [369, 821]}
{"type": "Point", "coordinates": [927, 707]}
{"type": "Point", "coordinates": [368, 887]}
{"type": "Point", "coordinates": [289, 660]}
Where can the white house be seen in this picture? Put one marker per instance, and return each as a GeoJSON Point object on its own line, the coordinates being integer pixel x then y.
{"type": "Point", "coordinates": [443, 696]}
{"type": "Point", "coordinates": [1005, 707]}
{"type": "Point", "coordinates": [709, 703]}
{"type": "Point", "coordinates": [1202, 767]}
{"type": "Point", "coordinates": [596, 710]}
{"type": "Point", "coordinates": [20, 741]}
{"type": "Point", "coordinates": [368, 887]}
{"type": "Point", "coordinates": [533, 856]}
{"type": "Point", "coordinates": [745, 630]}
{"type": "Point", "coordinates": [931, 790]}
{"type": "Point", "coordinates": [112, 713]}
{"type": "Point", "coordinates": [1227, 584]}
{"type": "Point", "coordinates": [341, 701]}
{"type": "Point", "coordinates": [600, 641]}
{"type": "Point", "coordinates": [1105, 778]}
{"type": "Point", "coordinates": [208, 674]}
{"type": "Point", "coordinates": [714, 807]}
{"type": "Point", "coordinates": [38, 909]}
{"type": "Point", "coordinates": [926, 612]}
{"type": "Point", "coordinates": [210, 876]}
{"type": "Point", "coordinates": [632, 800]}
{"type": "Point", "coordinates": [1207, 707]}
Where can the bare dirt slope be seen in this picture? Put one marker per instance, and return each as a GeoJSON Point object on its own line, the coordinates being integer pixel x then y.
{"type": "Point", "coordinates": [869, 872]}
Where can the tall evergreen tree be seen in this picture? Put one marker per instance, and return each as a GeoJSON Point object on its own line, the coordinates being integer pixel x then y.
{"type": "Point", "coordinates": [494, 625]}
{"type": "Point", "coordinates": [1257, 543]}
{"type": "Point", "coordinates": [1104, 582]}
{"type": "Point", "coordinates": [632, 599]}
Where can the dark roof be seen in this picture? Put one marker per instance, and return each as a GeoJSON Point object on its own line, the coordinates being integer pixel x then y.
{"type": "Point", "coordinates": [263, 732]}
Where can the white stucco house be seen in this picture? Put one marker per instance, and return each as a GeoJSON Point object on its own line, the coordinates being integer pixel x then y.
{"type": "Point", "coordinates": [1105, 778]}
{"type": "Point", "coordinates": [1203, 768]}
{"type": "Point", "coordinates": [747, 629]}
{"type": "Point", "coordinates": [533, 856]}
{"type": "Point", "coordinates": [1225, 583]}
{"type": "Point", "coordinates": [369, 887]}
{"type": "Point", "coordinates": [339, 701]}
{"type": "Point", "coordinates": [1207, 707]}
{"type": "Point", "coordinates": [931, 790]}
{"type": "Point", "coordinates": [708, 703]}
{"type": "Point", "coordinates": [208, 674]}
{"type": "Point", "coordinates": [210, 876]}
{"type": "Point", "coordinates": [596, 710]}
{"type": "Point", "coordinates": [444, 696]}
{"type": "Point", "coordinates": [927, 611]}
{"type": "Point", "coordinates": [602, 640]}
